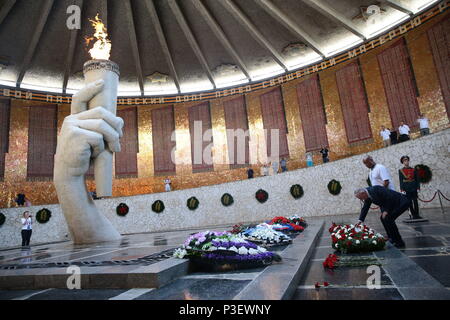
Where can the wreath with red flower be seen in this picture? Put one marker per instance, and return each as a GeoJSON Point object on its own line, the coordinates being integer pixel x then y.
{"type": "Point", "coordinates": [122, 210]}
{"type": "Point", "coordinates": [423, 173]}
{"type": "Point", "coordinates": [261, 195]}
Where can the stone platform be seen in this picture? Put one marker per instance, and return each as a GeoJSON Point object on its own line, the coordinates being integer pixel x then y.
{"type": "Point", "coordinates": [128, 264]}
{"type": "Point", "coordinates": [420, 271]}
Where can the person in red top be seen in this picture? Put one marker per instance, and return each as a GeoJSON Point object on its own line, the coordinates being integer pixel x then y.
{"type": "Point", "coordinates": [410, 185]}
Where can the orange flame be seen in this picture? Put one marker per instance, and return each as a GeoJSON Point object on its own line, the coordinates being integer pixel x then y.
{"type": "Point", "coordinates": [102, 47]}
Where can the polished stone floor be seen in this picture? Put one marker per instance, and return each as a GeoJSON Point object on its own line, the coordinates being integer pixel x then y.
{"type": "Point", "coordinates": [427, 252]}
{"type": "Point", "coordinates": [427, 245]}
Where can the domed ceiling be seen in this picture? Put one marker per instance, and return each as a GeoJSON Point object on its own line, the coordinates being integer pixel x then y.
{"type": "Point", "coordinates": [167, 47]}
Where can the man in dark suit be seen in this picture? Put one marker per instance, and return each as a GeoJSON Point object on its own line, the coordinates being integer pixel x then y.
{"type": "Point", "coordinates": [392, 205]}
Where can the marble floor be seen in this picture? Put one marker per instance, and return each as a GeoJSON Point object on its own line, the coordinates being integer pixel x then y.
{"type": "Point", "coordinates": [427, 251]}
{"type": "Point", "coordinates": [427, 245]}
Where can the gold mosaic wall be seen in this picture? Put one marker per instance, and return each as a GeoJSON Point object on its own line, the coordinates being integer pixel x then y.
{"type": "Point", "coordinates": [430, 102]}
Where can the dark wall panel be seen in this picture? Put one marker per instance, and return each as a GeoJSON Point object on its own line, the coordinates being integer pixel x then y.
{"type": "Point", "coordinates": [236, 118]}
{"type": "Point", "coordinates": [354, 103]}
{"type": "Point", "coordinates": [163, 126]}
{"type": "Point", "coordinates": [274, 118]}
{"type": "Point", "coordinates": [126, 159]}
{"type": "Point", "coordinates": [399, 84]}
{"type": "Point", "coordinates": [202, 114]}
{"type": "Point", "coordinates": [4, 133]}
{"type": "Point", "coordinates": [439, 37]}
{"type": "Point", "coordinates": [41, 141]}
{"type": "Point", "coordinates": [312, 114]}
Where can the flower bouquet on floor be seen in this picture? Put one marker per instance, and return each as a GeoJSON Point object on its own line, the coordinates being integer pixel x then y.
{"type": "Point", "coordinates": [266, 235]}
{"type": "Point", "coordinates": [355, 238]}
{"type": "Point", "coordinates": [222, 251]}
{"type": "Point", "coordinates": [287, 225]}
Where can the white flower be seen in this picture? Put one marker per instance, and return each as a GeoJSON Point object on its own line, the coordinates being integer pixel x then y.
{"type": "Point", "coordinates": [357, 242]}
{"type": "Point", "coordinates": [212, 248]}
{"type": "Point", "coordinates": [221, 248]}
{"type": "Point", "coordinates": [262, 250]}
{"type": "Point", "coordinates": [337, 245]}
{"type": "Point", "coordinates": [350, 238]}
{"type": "Point", "coordinates": [233, 248]}
{"type": "Point", "coordinates": [374, 242]}
{"type": "Point", "coordinates": [243, 250]}
{"type": "Point", "coordinates": [252, 251]}
{"type": "Point", "coordinates": [180, 253]}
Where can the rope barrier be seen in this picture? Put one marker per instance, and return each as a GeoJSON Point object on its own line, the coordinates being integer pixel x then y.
{"type": "Point", "coordinates": [443, 195]}
{"type": "Point", "coordinates": [431, 198]}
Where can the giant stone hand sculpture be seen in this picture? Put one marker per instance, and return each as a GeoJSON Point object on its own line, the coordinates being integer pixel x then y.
{"type": "Point", "coordinates": [82, 138]}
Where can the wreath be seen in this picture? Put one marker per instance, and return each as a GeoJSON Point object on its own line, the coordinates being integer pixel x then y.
{"type": "Point", "coordinates": [334, 187]}
{"type": "Point", "coordinates": [43, 215]}
{"type": "Point", "coordinates": [261, 195]}
{"type": "Point", "coordinates": [423, 173]}
{"type": "Point", "coordinates": [227, 200]}
{"type": "Point", "coordinates": [158, 206]}
{"type": "Point", "coordinates": [122, 210]}
{"type": "Point", "coordinates": [297, 191]}
{"type": "Point", "coordinates": [2, 218]}
{"type": "Point", "coordinates": [192, 203]}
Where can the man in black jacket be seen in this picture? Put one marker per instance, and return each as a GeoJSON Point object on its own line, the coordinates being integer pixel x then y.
{"type": "Point", "coordinates": [392, 205]}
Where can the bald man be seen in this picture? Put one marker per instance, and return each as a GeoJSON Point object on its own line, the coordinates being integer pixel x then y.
{"type": "Point", "coordinates": [392, 205]}
{"type": "Point", "coordinates": [379, 174]}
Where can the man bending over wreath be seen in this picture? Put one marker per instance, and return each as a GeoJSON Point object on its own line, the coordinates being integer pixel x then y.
{"type": "Point", "coordinates": [392, 205]}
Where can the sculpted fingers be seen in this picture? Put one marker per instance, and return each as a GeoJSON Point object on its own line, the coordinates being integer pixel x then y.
{"type": "Point", "coordinates": [102, 113]}
{"type": "Point", "coordinates": [82, 97]}
{"type": "Point", "coordinates": [102, 127]}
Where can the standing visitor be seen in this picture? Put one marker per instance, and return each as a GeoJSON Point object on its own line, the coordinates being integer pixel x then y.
{"type": "Point", "coordinates": [404, 131]}
{"type": "Point", "coordinates": [20, 199]}
{"type": "Point", "coordinates": [378, 175]}
{"type": "Point", "coordinates": [167, 184]}
{"type": "Point", "coordinates": [392, 204]}
{"type": "Point", "coordinates": [275, 167]}
{"type": "Point", "coordinates": [250, 173]}
{"type": "Point", "coordinates": [423, 125]}
{"type": "Point", "coordinates": [324, 153]}
{"type": "Point", "coordinates": [26, 228]}
{"type": "Point", "coordinates": [264, 170]}
{"type": "Point", "coordinates": [410, 184]}
{"type": "Point", "coordinates": [386, 135]}
{"type": "Point", "coordinates": [309, 159]}
{"type": "Point", "coordinates": [393, 136]}
{"type": "Point", "coordinates": [283, 165]}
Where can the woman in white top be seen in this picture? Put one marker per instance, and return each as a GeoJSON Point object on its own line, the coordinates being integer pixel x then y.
{"type": "Point", "coordinates": [26, 228]}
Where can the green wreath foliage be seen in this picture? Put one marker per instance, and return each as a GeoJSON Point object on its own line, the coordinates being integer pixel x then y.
{"type": "Point", "coordinates": [192, 203]}
{"type": "Point", "coordinates": [158, 206]}
{"type": "Point", "coordinates": [334, 187]}
{"type": "Point", "coordinates": [297, 191]}
{"type": "Point", "coordinates": [227, 200]}
{"type": "Point", "coordinates": [43, 215]}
